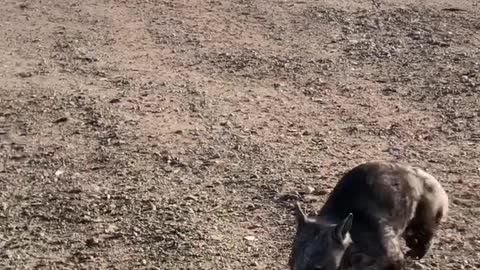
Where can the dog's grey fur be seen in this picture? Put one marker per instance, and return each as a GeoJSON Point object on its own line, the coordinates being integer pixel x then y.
{"type": "Point", "coordinates": [386, 201]}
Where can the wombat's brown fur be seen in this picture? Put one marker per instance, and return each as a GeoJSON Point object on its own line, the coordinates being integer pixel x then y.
{"type": "Point", "coordinates": [386, 201]}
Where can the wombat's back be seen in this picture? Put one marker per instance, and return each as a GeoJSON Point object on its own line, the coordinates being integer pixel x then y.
{"type": "Point", "coordinates": [380, 192]}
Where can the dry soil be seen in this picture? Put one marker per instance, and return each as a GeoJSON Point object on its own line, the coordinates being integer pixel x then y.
{"type": "Point", "coordinates": [178, 134]}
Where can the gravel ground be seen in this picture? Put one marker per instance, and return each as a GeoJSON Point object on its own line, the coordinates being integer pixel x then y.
{"type": "Point", "coordinates": [178, 134]}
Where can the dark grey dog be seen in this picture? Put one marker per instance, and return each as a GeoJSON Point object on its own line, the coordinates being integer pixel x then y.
{"type": "Point", "coordinates": [360, 225]}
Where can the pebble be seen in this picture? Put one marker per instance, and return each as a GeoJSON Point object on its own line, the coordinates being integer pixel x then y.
{"type": "Point", "coordinates": [59, 172]}
{"type": "Point", "coordinates": [309, 190]}
{"type": "Point", "coordinates": [250, 238]}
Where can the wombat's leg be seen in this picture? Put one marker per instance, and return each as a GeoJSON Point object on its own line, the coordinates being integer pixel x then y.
{"type": "Point", "coordinates": [395, 256]}
{"type": "Point", "coordinates": [395, 265]}
{"type": "Point", "coordinates": [420, 231]}
{"type": "Point", "coordinates": [392, 257]}
{"type": "Point", "coordinates": [418, 238]}
{"type": "Point", "coordinates": [376, 247]}
{"type": "Point", "coordinates": [390, 261]}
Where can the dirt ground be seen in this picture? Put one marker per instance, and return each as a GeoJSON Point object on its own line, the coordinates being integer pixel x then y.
{"type": "Point", "coordinates": [178, 134]}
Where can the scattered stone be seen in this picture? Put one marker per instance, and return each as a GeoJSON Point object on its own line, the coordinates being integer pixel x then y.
{"type": "Point", "coordinates": [190, 198]}
{"type": "Point", "coordinates": [114, 100]}
{"type": "Point", "coordinates": [309, 190]}
{"type": "Point", "coordinates": [111, 228]}
{"type": "Point", "coordinates": [92, 242]}
{"type": "Point", "coordinates": [4, 206]}
{"type": "Point", "coordinates": [250, 238]}
{"type": "Point", "coordinates": [59, 173]}
{"type": "Point", "coordinates": [26, 74]}
{"type": "Point", "coordinates": [320, 192]}
{"type": "Point", "coordinates": [225, 124]}
{"type": "Point", "coordinates": [61, 119]}
{"type": "Point", "coordinates": [311, 198]}
{"type": "Point", "coordinates": [289, 197]}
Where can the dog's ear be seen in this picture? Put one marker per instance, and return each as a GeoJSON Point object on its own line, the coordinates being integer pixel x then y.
{"type": "Point", "coordinates": [300, 215]}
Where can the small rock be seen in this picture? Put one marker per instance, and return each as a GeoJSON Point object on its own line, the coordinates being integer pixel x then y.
{"type": "Point", "coordinates": [24, 74]}
{"type": "Point", "coordinates": [91, 242]}
{"type": "Point", "coordinates": [59, 172]}
{"type": "Point", "coordinates": [114, 100]}
{"type": "Point", "coordinates": [215, 155]}
{"type": "Point", "coordinates": [320, 192]}
{"type": "Point", "coordinates": [4, 206]}
{"type": "Point", "coordinates": [8, 253]}
{"type": "Point", "coordinates": [213, 162]}
{"type": "Point", "coordinates": [318, 100]}
{"type": "Point", "coordinates": [216, 237]}
{"type": "Point", "coordinates": [309, 190]}
{"type": "Point", "coordinates": [225, 124]}
{"type": "Point", "coordinates": [289, 196]}
{"type": "Point", "coordinates": [191, 198]}
{"type": "Point", "coordinates": [311, 198]}
{"type": "Point", "coordinates": [75, 190]}
{"type": "Point", "coordinates": [111, 228]}
{"type": "Point", "coordinates": [61, 119]}
{"type": "Point", "coordinates": [250, 238]}
{"type": "Point", "coordinates": [277, 85]}
{"type": "Point", "coordinates": [250, 206]}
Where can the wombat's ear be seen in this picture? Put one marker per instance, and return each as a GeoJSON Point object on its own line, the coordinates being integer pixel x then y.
{"type": "Point", "coordinates": [300, 215]}
{"type": "Point", "coordinates": [342, 229]}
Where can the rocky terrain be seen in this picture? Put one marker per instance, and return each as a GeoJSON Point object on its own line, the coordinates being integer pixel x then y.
{"type": "Point", "coordinates": [178, 134]}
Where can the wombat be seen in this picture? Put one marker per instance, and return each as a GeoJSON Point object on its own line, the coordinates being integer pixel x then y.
{"type": "Point", "coordinates": [360, 224]}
